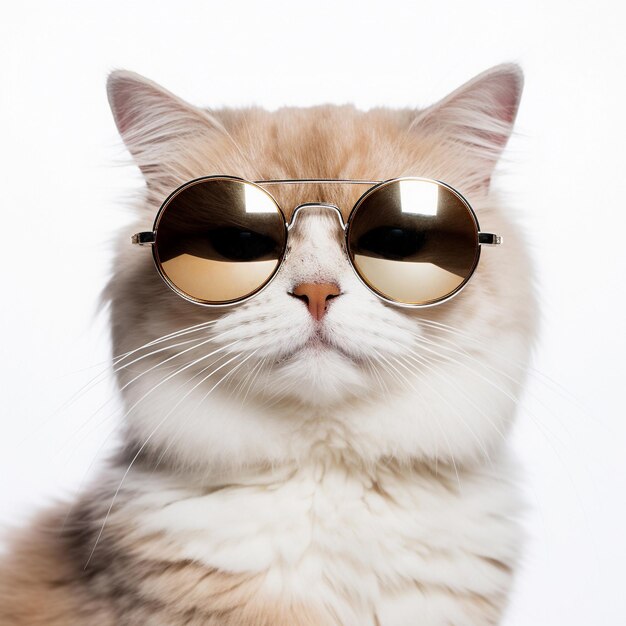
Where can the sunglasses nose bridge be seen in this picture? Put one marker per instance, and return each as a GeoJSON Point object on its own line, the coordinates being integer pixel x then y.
{"type": "Point", "coordinates": [316, 205]}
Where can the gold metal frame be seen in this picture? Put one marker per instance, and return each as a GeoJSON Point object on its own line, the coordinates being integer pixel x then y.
{"type": "Point", "coordinates": [150, 237]}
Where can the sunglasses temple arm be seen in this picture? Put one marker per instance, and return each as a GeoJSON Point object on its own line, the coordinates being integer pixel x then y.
{"type": "Point", "coordinates": [143, 239]}
{"type": "Point", "coordinates": [489, 239]}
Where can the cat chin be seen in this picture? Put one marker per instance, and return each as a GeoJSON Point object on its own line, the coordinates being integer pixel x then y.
{"type": "Point", "coordinates": [319, 374]}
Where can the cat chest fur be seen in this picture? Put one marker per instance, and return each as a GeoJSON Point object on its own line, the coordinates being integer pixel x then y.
{"type": "Point", "coordinates": [368, 546]}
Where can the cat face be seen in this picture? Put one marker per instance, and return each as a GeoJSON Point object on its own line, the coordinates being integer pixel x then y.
{"type": "Point", "coordinates": [265, 381]}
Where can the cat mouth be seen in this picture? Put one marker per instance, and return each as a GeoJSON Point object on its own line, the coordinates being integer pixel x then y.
{"type": "Point", "coordinates": [316, 345]}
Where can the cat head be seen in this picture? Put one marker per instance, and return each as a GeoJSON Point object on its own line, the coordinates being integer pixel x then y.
{"type": "Point", "coordinates": [265, 381]}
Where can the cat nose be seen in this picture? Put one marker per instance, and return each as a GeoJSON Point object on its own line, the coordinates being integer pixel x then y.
{"type": "Point", "coordinates": [316, 296]}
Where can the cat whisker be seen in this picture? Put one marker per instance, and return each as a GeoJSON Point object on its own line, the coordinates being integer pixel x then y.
{"type": "Point", "coordinates": [196, 342]}
{"type": "Point", "coordinates": [182, 425]}
{"type": "Point", "coordinates": [107, 438]}
{"type": "Point", "coordinates": [101, 376]}
{"type": "Point", "coordinates": [175, 356]}
{"type": "Point", "coordinates": [163, 380]}
{"type": "Point", "coordinates": [429, 365]}
{"type": "Point", "coordinates": [242, 381]}
{"type": "Point", "coordinates": [489, 381]}
{"type": "Point", "coordinates": [93, 415]}
{"type": "Point", "coordinates": [258, 369]}
{"type": "Point", "coordinates": [175, 334]}
{"type": "Point", "coordinates": [453, 348]}
{"type": "Point", "coordinates": [172, 335]}
{"type": "Point", "coordinates": [481, 364]}
{"type": "Point", "coordinates": [397, 378]}
{"type": "Point", "coordinates": [441, 430]}
{"type": "Point", "coordinates": [541, 427]}
{"type": "Point", "coordinates": [547, 433]}
{"type": "Point", "coordinates": [454, 409]}
{"type": "Point", "coordinates": [424, 346]}
{"type": "Point", "coordinates": [555, 386]}
{"type": "Point", "coordinates": [149, 354]}
{"type": "Point", "coordinates": [194, 362]}
{"type": "Point", "coordinates": [381, 383]}
{"type": "Point", "coordinates": [151, 435]}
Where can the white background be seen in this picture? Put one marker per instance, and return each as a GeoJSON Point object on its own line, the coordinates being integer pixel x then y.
{"type": "Point", "coordinates": [63, 194]}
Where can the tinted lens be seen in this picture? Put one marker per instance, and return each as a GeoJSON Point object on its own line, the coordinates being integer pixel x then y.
{"type": "Point", "coordinates": [413, 241]}
{"type": "Point", "coordinates": [219, 240]}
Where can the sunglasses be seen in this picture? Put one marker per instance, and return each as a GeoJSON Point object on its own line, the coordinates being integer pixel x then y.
{"type": "Point", "coordinates": [220, 240]}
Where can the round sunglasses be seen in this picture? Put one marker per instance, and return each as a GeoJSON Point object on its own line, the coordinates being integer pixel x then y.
{"type": "Point", "coordinates": [220, 240]}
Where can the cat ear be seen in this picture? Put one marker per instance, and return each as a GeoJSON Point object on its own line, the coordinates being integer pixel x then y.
{"type": "Point", "coordinates": [159, 129]}
{"type": "Point", "coordinates": [476, 120]}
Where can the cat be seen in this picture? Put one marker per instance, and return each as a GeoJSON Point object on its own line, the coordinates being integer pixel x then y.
{"type": "Point", "coordinates": [364, 482]}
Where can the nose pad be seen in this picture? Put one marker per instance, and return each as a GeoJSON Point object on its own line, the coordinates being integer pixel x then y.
{"type": "Point", "coordinates": [316, 296]}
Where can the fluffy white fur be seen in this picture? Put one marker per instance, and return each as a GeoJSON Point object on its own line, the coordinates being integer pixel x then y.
{"type": "Point", "coordinates": [366, 474]}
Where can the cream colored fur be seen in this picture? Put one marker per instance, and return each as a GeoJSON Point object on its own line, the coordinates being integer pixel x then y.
{"type": "Point", "coordinates": [367, 483]}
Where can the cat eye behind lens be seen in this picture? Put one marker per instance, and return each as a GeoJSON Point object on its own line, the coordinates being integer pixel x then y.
{"type": "Point", "coordinates": [413, 241]}
{"type": "Point", "coordinates": [219, 240]}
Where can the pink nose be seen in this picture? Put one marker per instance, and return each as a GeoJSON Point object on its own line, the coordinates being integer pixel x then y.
{"type": "Point", "coordinates": [316, 296]}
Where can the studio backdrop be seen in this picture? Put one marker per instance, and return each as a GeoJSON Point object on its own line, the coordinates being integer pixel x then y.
{"type": "Point", "coordinates": [70, 189]}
